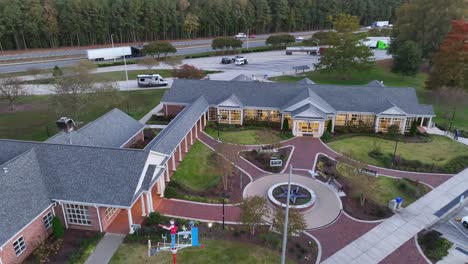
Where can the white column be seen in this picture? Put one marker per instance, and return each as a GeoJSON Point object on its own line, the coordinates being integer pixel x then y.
{"type": "Point", "coordinates": [429, 124]}
{"type": "Point", "coordinates": [422, 120]}
{"type": "Point", "coordinates": [99, 218]}
{"type": "Point", "coordinates": [180, 152]}
{"type": "Point", "coordinates": [162, 186]}
{"type": "Point", "coordinates": [185, 141]}
{"type": "Point", "coordinates": [130, 220]}
{"type": "Point", "coordinates": [196, 129]}
{"type": "Point", "coordinates": [282, 121]}
{"type": "Point", "coordinates": [403, 127]}
{"type": "Point", "coordinates": [294, 128]}
{"type": "Point", "coordinates": [168, 177]}
{"type": "Point", "coordinates": [173, 162]}
{"type": "Point", "coordinates": [242, 116]}
{"type": "Point", "coordinates": [149, 198]}
{"type": "Point", "coordinates": [142, 201]}
{"type": "Point", "coordinates": [191, 136]}
{"type": "Point", "coordinates": [376, 124]}
{"type": "Point", "coordinates": [333, 124]}
{"type": "Point", "coordinates": [64, 215]}
{"type": "Point", "coordinates": [204, 117]}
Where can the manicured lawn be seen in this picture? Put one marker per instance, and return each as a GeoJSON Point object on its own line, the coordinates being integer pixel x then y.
{"type": "Point", "coordinates": [197, 170]}
{"type": "Point", "coordinates": [382, 72]}
{"type": "Point", "coordinates": [34, 115]}
{"type": "Point", "coordinates": [437, 152]}
{"type": "Point", "coordinates": [215, 251]}
{"type": "Point", "coordinates": [248, 136]}
{"type": "Point", "coordinates": [380, 189]}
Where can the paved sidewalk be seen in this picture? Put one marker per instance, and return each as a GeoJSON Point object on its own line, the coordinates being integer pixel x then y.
{"type": "Point", "coordinates": [437, 131]}
{"type": "Point", "coordinates": [381, 241]}
{"type": "Point", "coordinates": [153, 111]}
{"type": "Point", "coordinates": [105, 249]}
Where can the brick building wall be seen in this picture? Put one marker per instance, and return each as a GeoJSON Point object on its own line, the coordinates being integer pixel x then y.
{"type": "Point", "coordinates": [93, 217]}
{"type": "Point", "coordinates": [33, 235]}
{"type": "Point", "coordinates": [138, 137]}
{"type": "Point", "coordinates": [172, 110]}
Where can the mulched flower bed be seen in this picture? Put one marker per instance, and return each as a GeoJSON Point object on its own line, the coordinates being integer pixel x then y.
{"type": "Point", "coordinates": [262, 159]}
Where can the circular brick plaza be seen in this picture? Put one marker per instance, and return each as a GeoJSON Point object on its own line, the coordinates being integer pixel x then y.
{"type": "Point", "coordinates": [327, 205]}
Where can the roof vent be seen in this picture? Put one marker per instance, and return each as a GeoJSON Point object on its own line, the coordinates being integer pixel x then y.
{"type": "Point", "coordinates": [5, 170]}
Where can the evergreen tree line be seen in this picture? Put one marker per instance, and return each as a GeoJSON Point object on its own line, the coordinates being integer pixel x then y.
{"type": "Point", "coordinates": [52, 23]}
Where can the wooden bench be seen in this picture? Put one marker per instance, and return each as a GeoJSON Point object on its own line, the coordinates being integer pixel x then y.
{"type": "Point", "coordinates": [369, 172]}
{"type": "Point", "coordinates": [338, 186]}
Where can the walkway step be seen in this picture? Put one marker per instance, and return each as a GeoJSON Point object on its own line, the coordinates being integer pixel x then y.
{"type": "Point", "coordinates": [105, 249]}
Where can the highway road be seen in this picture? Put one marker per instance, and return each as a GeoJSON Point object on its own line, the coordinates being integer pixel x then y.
{"type": "Point", "coordinates": [185, 48]}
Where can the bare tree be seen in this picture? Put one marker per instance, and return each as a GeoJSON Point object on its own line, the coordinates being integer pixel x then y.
{"type": "Point", "coordinates": [173, 61]}
{"type": "Point", "coordinates": [451, 96]}
{"type": "Point", "coordinates": [252, 210]}
{"type": "Point", "coordinates": [34, 72]}
{"type": "Point", "coordinates": [296, 221]}
{"type": "Point", "coordinates": [11, 89]}
{"type": "Point", "coordinates": [148, 62]}
{"type": "Point", "coordinates": [356, 167]}
{"type": "Point", "coordinates": [79, 89]}
{"type": "Point", "coordinates": [226, 159]}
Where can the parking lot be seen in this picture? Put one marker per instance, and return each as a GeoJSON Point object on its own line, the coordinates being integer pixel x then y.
{"type": "Point", "coordinates": [454, 230]}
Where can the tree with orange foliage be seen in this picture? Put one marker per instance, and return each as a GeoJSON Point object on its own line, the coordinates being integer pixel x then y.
{"type": "Point", "coordinates": [449, 63]}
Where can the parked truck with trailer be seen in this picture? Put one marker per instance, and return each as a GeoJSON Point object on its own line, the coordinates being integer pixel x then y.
{"type": "Point", "coordinates": [112, 53]}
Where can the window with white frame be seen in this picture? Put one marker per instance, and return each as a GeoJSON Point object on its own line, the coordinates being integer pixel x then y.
{"type": "Point", "coordinates": [19, 245]}
{"type": "Point", "coordinates": [110, 212]}
{"type": "Point", "coordinates": [77, 214]}
{"type": "Point", "coordinates": [340, 120]}
{"type": "Point", "coordinates": [47, 220]}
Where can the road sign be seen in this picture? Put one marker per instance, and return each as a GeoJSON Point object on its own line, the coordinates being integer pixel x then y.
{"type": "Point", "coordinates": [276, 163]}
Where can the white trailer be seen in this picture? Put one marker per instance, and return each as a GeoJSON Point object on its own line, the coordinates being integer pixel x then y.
{"type": "Point", "coordinates": [109, 53]}
{"type": "Point", "coordinates": [378, 24]}
{"type": "Point", "coordinates": [308, 50]}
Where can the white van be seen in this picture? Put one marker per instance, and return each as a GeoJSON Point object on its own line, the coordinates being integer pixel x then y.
{"type": "Point", "coordinates": [241, 61]}
{"type": "Point", "coordinates": [151, 80]}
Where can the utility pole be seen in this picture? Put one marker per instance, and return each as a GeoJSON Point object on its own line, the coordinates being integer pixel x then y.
{"type": "Point", "coordinates": [286, 215]}
{"type": "Point", "coordinates": [112, 41]}
{"type": "Point", "coordinates": [125, 66]}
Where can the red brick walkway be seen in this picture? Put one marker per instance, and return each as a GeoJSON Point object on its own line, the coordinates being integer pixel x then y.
{"type": "Point", "coordinates": [339, 234]}
{"type": "Point", "coordinates": [198, 211]}
{"type": "Point", "coordinates": [406, 253]}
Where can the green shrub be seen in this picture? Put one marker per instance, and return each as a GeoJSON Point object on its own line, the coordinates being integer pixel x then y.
{"type": "Point", "coordinates": [115, 63]}
{"type": "Point", "coordinates": [414, 128]}
{"type": "Point", "coordinates": [286, 124]}
{"type": "Point", "coordinates": [330, 126]}
{"type": "Point", "coordinates": [171, 190]}
{"type": "Point", "coordinates": [327, 136]}
{"type": "Point", "coordinates": [434, 246]}
{"type": "Point", "coordinates": [407, 187]}
{"type": "Point", "coordinates": [57, 227]}
{"type": "Point", "coordinates": [155, 218]}
{"type": "Point", "coordinates": [271, 239]}
{"type": "Point", "coordinates": [57, 72]}
{"type": "Point", "coordinates": [455, 165]}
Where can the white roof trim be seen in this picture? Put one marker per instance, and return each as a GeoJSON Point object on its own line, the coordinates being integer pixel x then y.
{"type": "Point", "coordinates": [228, 103]}
{"type": "Point", "coordinates": [395, 110]}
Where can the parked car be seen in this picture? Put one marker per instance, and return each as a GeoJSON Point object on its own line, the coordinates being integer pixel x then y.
{"type": "Point", "coordinates": [252, 36]}
{"type": "Point", "coordinates": [241, 61]}
{"type": "Point", "coordinates": [226, 60]}
{"type": "Point", "coordinates": [151, 80]}
{"type": "Point", "coordinates": [299, 39]}
{"type": "Point", "coordinates": [464, 221]}
{"type": "Point", "coordinates": [241, 35]}
{"type": "Point", "coordinates": [236, 57]}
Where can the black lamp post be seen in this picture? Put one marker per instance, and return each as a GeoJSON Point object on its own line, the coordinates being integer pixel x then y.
{"type": "Point", "coordinates": [218, 125]}
{"type": "Point", "coordinates": [394, 151]}
{"type": "Point", "coordinates": [224, 196]}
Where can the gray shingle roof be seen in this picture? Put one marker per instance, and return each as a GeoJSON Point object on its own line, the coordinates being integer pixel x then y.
{"type": "Point", "coordinates": [170, 137]}
{"type": "Point", "coordinates": [110, 130]}
{"type": "Point", "coordinates": [234, 99]}
{"type": "Point", "coordinates": [23, 194]}
{"type": "Point", "coordinates": [277, 95]}
{"type": "Point", "coordinates": [308, 111]}
{"type": "Point", "coordinates": [86, 174]}
{"type": "Point", "coordinates": [242, 78]}
{"type": "Point", "coordinates": [306, 81]}
{"type": "Point", "coordinates": [308, 93]}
